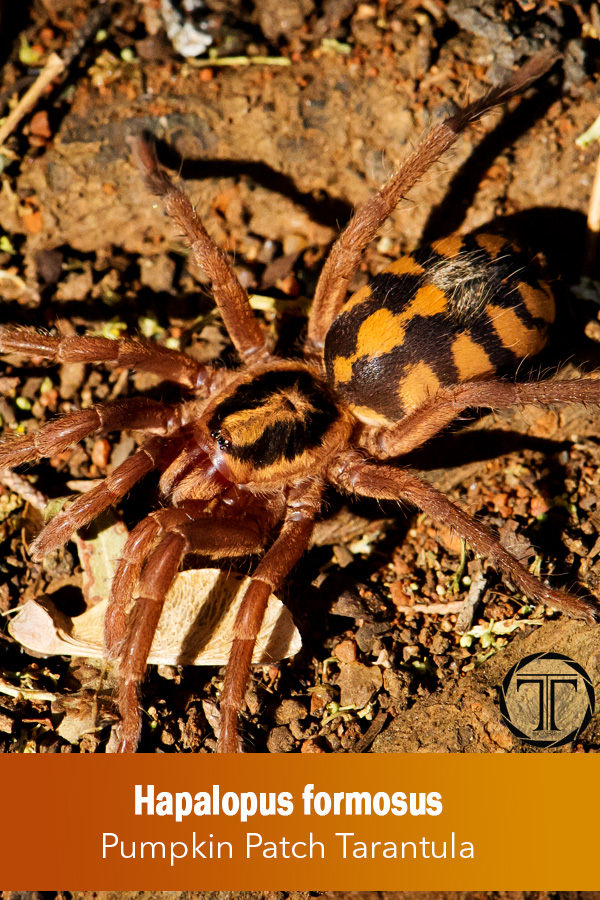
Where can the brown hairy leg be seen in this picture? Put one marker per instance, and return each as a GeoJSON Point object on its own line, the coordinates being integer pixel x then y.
{"type": "Point", "coordinates": [230, 296]}
{"type": "Point", "coordinates": [431, 418]}
{"type": "Point", "coordinates": [225, 538]}
{"type": "Point", "coordinates": [124, 352]}
{"type": "Point", "coordinates": [134, 414]}
{"type": "Point", "coordinates": [87, 506]}
{"type": "Point", "coordinates": [345, 255]}
{"type": "Point", "coordinates": [304, 502]}
{"type": "Point", "coordinates": [356, 476]}
{"type": "Point", "coordinates": [158, 569]}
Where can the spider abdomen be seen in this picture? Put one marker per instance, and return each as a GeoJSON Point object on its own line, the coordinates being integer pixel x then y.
{"type": "Point", "coordinates": [460, 309]}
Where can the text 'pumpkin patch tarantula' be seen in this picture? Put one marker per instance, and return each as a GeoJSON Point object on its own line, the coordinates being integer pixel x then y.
{"type": "Point", "coordinates": [244, 461]}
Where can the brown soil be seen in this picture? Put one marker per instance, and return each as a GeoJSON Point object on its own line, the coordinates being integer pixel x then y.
{"type": "Point", "coordinates": [276, 157]}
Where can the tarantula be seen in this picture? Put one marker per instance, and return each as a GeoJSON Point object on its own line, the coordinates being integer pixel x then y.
{"type": "Point", "coordinates": [250, 451]}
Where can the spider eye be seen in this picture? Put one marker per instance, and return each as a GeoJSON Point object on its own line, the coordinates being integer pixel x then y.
{"type": "Point", "coordinates": [222, 438]}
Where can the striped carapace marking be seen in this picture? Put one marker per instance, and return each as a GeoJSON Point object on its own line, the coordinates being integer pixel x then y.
{"type": "Point", "coordinates": [275, 417]}
{"type": "Point", "coordinates": [460, 309]}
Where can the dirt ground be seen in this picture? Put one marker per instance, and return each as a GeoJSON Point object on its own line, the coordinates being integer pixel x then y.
{"type": "Point", "coordinates": [301, 111]}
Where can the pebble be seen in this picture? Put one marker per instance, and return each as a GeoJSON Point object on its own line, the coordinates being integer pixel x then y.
{"type": "Point", "coordinates": [312, 745]}
{"type": "Point", "coordinates": [7, 724]}
{"type": "Point", "coordinates": [398, 687]}
{"type": "Point", "coordinates": [358, 684]}
{"type": "Point", "coordinates": [40, 125]}
{"type": "Point", "coordinates": [101, 453]}
{"type": "Point", "coordinates": [367, 634]}
{"type": "Point", "coordinates": [290, 711]}
{"type": "Point", "coordinates": [319, 699]}
{"type": "Point", "coordinates": [281, 18]}
{"type": "Point", "coordinates": [157, 273]}
{"type": "Point", "coordinates": [345, 651]}
{"type": "Point", "coordinates": [280, 740]}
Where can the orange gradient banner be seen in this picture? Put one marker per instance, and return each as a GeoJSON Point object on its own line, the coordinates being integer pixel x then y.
{"type": "Point", "coordinates": [510, 822]}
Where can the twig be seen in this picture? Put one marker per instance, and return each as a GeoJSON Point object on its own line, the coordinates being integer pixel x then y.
{"type": "Point", "coordinates": [593, 225]}
{"type": "Point", "coordinates": [23, 488]}
{"type": "Point", "coordinates": [54, 67]}
{"type": "Point", "coordinates": [374, 728]}
{"type": "Point", "coordinates": [27, 693]}
{"type": "Point", "coordinates": [467, 613]}
{"type": "Point", "coordinates": [432, 609]}
{"type": "Point", "coordinates": [217, 61]}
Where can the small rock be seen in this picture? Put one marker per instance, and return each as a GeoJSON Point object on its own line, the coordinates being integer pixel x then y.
{"type": "Point", "coordinates": [351, 736]}
{"type": "Point", "coordinates": [280, 740]}
{"type": "Point", "coordinates": [397, 684]}
{"type": "Point", "coordinates": [367, 634]}
{"type": "Point", "coordinates": [193, 728]}
{"type": "Point", "coordinates": [170, 673]}
{"type": "Point", "coordinates": [298, 730]}
{"type": "Point", "coordinates": [319, 699]}
{"type": "Point", "coordinates": [342, 556]}
{"type": "Point", "coordinates": [101, 453]}
{"type": "Point", "coordinates": [40, 125]}
{"type": "Point", "coordinates": [500, 735]}
{"type": "Point", "coordinates": [358, 683]}
{"type": "Point", "coordinates": [157, 273]}
{"type": "Point", "coordinates": [89, 743]}
{"type": "Point", "coordinates": [294, 243]}
{"type": "Point", "coordinates": [411, 651]}
{"type": "Point", "coordinates": [312, 745]}
{"type": "Point", "coordinates": [345, 651]}
{"type": "Point", "coordinates": [290, 711]}
{"type": "Point", "coordinates": [449, 539]}
{"type": "Point", "coordinates": [6, 724]}
{"type": "Point", "coordinates": [252, 700]}
{"type": "Point", "coordinates": [122, 450]}
{"type": "Point", "coordinates": [48, 264]}
{"type": "Point", "coordinates": [333, 741]}
{"type": "Point", "coordinates": [281, 18]}
{"type": "Point", "coordinates": [76, 286]}
{"type": "Point", "coordinates": [440, 645]}
{"type": "Point", "coordinates": [516, 543]}
{"type": "Point", "coordinates": [538, 506]}
{"type": "Point", "coordinates": [351, 605]}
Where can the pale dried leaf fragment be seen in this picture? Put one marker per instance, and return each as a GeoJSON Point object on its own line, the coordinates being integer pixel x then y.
{"type": "Point", "coordinates": [99, 552]}
{"type": "Point", "coordinates": [195, 628]}
{"type": "Point", "coordinates": [84, 713]}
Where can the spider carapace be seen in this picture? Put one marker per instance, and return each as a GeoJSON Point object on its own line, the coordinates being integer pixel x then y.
{"type": "Point", "coordinates": [244, 458]}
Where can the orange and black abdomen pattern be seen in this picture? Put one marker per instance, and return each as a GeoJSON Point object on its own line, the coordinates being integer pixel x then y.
{"type": "Point", "coordinates": [460, 309]}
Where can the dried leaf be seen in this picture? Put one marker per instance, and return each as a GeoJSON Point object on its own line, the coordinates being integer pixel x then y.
{"type": "Point", "coordinates": [100, 546]}
{"type": "Point", "coordinates": [195, 627]}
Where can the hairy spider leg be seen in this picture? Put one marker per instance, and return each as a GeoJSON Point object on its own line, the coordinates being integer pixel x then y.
{"type": "Point", "coordinates": [137, 413]}
{"type": "Point", "coordinates": [431, 418]}
{"type": "Point", "coordinates": [141, 541]}
{"type": "Point", "coordinates": [171, 365]}
{"type": "Point", "coordinates": [155, 573]}
{"type": "Point", "coordinates": [231, 298]}
{"type": "Point", "coordinates": [353, 474]}
{"type": "Point", "coordinates": [304, 502]}
{"type": "Point", "coordinates": [87, 506]}
{"type": "Point", "coordinates": [345, 255]}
